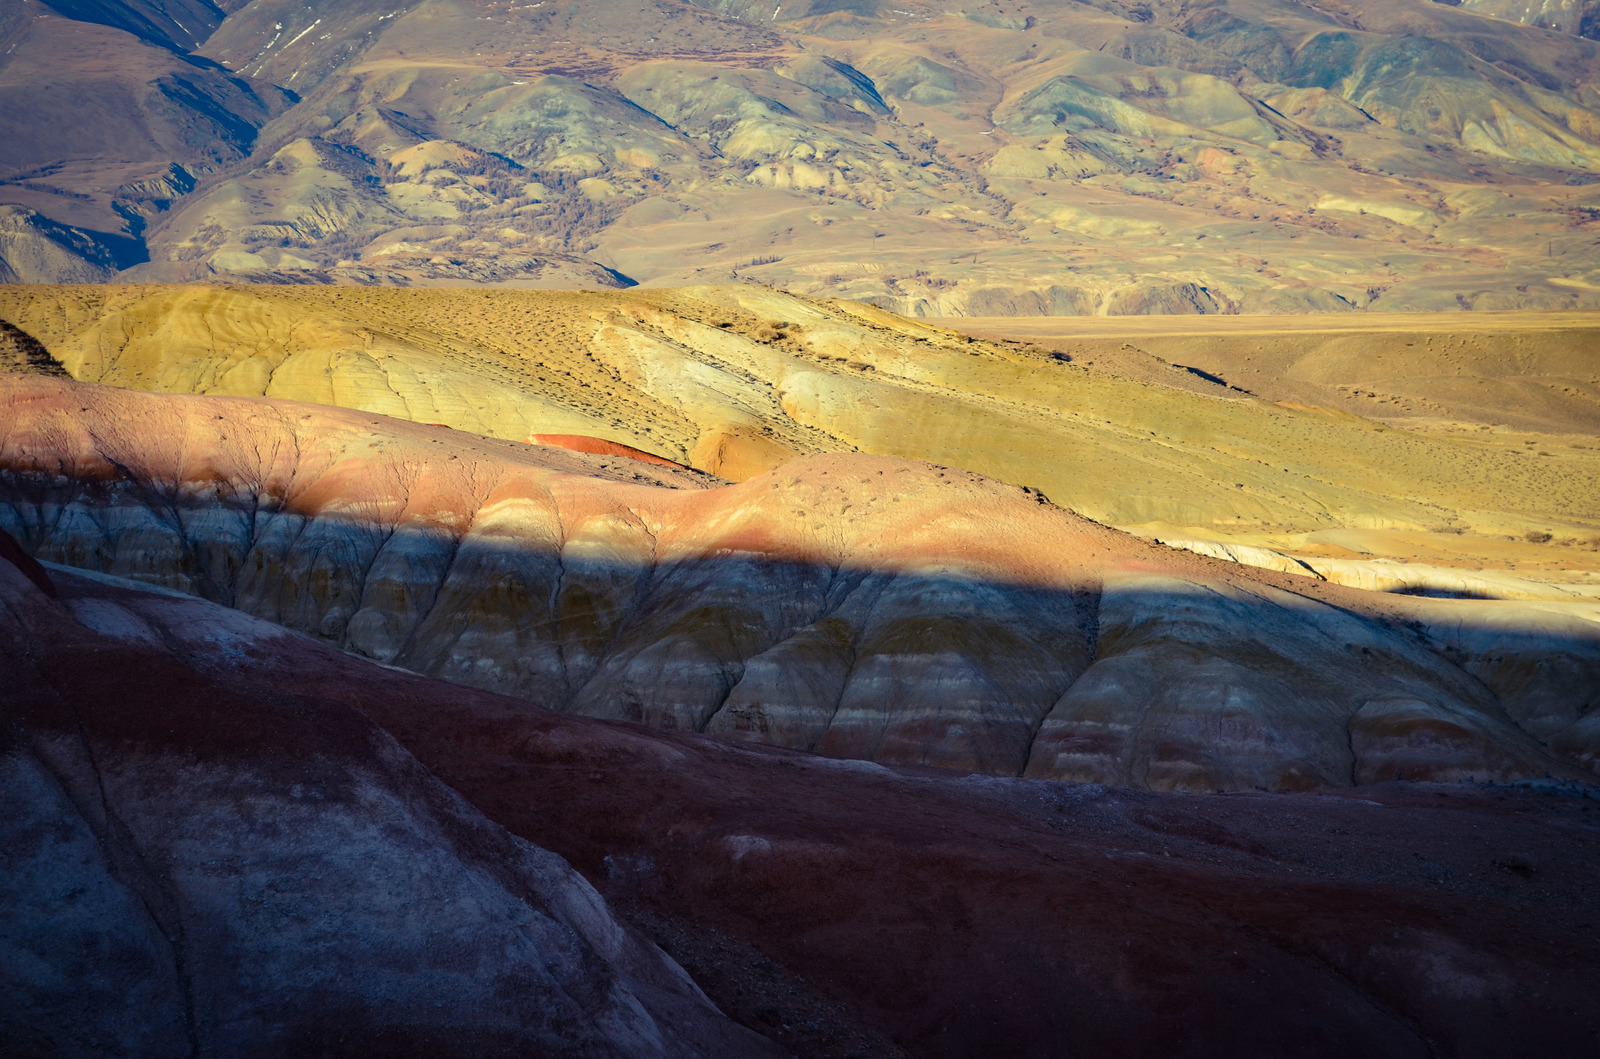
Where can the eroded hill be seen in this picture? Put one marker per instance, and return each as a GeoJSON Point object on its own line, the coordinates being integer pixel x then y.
{"type": "Point", "coordinates": [169, 800]}
{"type": "Point", "coordinates": [853, 605]}
{"type": "Point", "coordinates": [1275, 437]}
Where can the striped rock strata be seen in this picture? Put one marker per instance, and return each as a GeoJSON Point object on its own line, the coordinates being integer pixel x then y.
{"type": "Point", "coordinates": [203, 804]}
{"type": "Point", "coordinates": [856, 606]}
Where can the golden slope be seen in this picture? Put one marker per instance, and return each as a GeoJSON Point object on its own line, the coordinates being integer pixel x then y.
{"type": "Point", "coordinates": [736, 380]}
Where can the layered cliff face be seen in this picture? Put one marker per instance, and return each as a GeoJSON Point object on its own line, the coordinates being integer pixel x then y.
{"type": "Point", "coordinates": [857, 606]}
{"type": "Point", "coordinates": [224, 838]}
{"type": "Point", "coordinates": [193, 864]}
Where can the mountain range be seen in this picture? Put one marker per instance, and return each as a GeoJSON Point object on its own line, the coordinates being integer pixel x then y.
{"type": "Point", "coordinates": [975, 158]}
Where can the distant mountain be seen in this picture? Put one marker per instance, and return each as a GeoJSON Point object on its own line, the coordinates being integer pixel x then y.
{"type": "Point", "coordinates": [106, 120]}
{"type": "Point", "coordinates": [940, 159]}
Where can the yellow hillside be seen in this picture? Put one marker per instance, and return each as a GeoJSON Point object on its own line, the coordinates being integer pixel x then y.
{"type": "Point", "coordinates": [1099, 417]}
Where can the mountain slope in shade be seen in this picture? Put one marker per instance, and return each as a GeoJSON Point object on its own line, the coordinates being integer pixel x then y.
{"type": "Point", "coordinates": [1051, 157]}
{"type": "Point", "coordinates": [838, 908]}
{"type": "Point", "coordinates": [194, 864]}
{"type": "Point", "coordinates": [177, 25]}
{"type": "Point", "coordinates": [106, 121]}
{"type": "Point", "coordinates": [857, 606]}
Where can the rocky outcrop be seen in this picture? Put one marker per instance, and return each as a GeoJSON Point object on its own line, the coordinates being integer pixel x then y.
{"type": "Point", "coordinates": [193, 864]}
{"type": "Point", "coordinates": [856, 606]}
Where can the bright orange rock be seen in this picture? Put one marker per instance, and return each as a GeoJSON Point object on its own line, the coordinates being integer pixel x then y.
{"type": "Point", "coordinates": [598, 447]}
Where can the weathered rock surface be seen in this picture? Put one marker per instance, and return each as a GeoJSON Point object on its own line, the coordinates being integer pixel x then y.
{"type": "Point", "coordinates": [1205, 684]}
{"type": "Point", "coordinates": [840, 908]}
{"type": "Point", "coordinates": [858, 606]}
{"type": "Point", "coordinates": [193, 864]}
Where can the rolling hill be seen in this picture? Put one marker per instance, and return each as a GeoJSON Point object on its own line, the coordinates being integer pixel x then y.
{"type": "Point", "coordinates": [856, 606]}
{"type": "Point", "coordinates": [1414, 438]}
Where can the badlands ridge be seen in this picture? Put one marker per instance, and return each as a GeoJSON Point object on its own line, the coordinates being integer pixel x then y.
{"type": "Point", "coordinates": [361, 610]}
{"type": "Point", "coordinates": [1437, 441]}
{"type": "Point", "coordinates": [854, 605]}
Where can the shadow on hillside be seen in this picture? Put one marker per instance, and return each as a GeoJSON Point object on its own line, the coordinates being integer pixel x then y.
{"type": "Point", "coordinates": [1155, 681]}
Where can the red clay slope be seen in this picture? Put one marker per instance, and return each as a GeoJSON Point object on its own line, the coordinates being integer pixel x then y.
{"type": "Point", "coordinates": [600, 447]}
{"type": "Point", "coordinates": [842, 908]}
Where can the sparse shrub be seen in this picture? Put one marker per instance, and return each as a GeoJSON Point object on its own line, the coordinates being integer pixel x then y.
{"type": "Point", "coordinates": [1445, 527]}
{"type": "Point", "coordinates": [1536, 537]}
